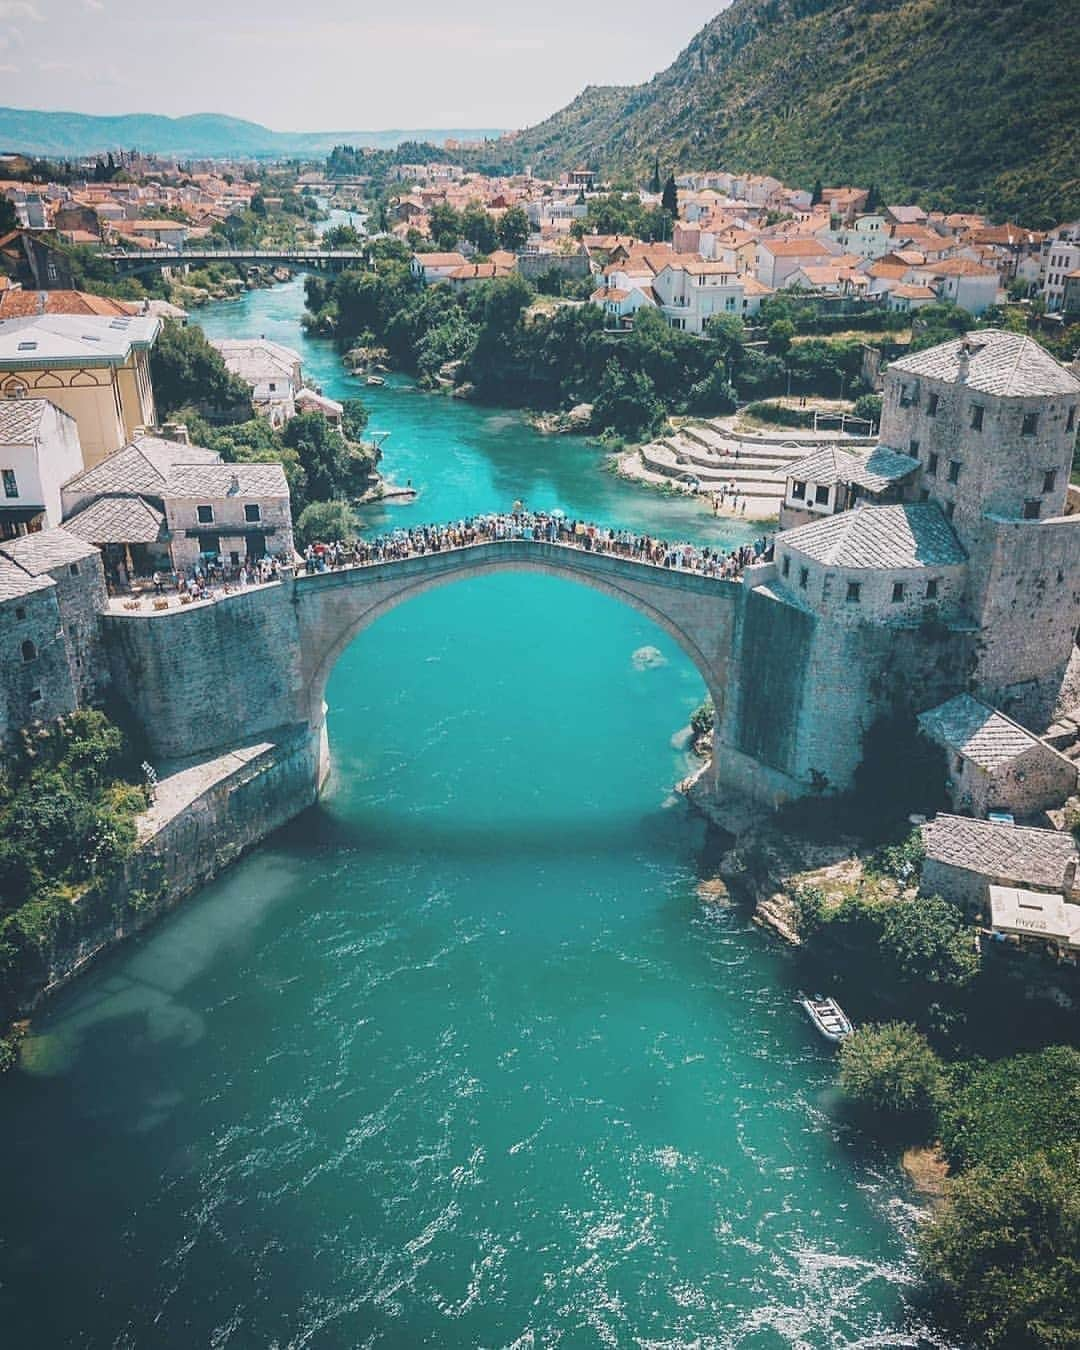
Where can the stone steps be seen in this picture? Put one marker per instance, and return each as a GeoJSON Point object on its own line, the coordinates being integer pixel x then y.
{"type": "Point", "coordinates": [662, 458]}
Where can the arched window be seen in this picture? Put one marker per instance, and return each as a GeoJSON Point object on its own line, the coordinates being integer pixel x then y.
{"type": "Point", "coordinates": [14, 388]}
{"type": "Point", "coordinates": [29, 651]}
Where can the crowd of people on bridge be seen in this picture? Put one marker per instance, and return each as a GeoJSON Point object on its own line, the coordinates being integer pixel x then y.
{"type": "Point", "coordinates": [541, 527]}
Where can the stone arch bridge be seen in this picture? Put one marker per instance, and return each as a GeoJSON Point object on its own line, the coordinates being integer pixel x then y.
{"type": "Point", "coordinates": [210, 675]}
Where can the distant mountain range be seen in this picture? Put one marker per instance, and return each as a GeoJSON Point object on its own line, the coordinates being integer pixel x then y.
{"type": "Point", "coordinates": [200, 136]}
{"type": "Point", "coordinates": [972, 103]}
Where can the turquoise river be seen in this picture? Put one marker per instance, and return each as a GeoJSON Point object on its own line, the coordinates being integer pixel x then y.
{"type": "Point", "coordinates": [461, 1058]}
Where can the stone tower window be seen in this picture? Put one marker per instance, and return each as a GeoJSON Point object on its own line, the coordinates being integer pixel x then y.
{"type": "Point", "coordinates": [1070, 421]}
{"type": "Point", "coordinates": [798, 489]}
{"type": "Point", "coordinates": [73, 570]}
{"type": "Point", "coordinates": [1032, 508]}
{"type": "Point", "coordinates": [252, 512]}
{"type": "Point", "coordinates": [1030, 424]}
{"type": "Point", "coordinates": [932, 588]}
{"type": "Point", "coordinates": [931, 464]}
{"type": "Point", "coordinates": [1049, 479]}
{"type": "Point", "coordinates": [977, 411]}
{"type": "Point", "coordinates": [35, 695]}
{"type": "Point", "coordinates": [785, 566]}
{"type": "Point", "coordinates": [950, 510]}
{"type": "Point", "coordinates": [954, 471]}
{"type": "Point", "coordinates": [932, 402]}
{"type": "Point", "coordinates": [204, 515]}
{"type": "Point", "coordinates": [854, 591]}
{"type": "Point", "coordinates": [804, 577]}
{"type": "Point", "coordinates": [29, 651]}
{"type": "Point", "coordinates": [821, 495]}
{"type": "Point", "coordinates": [897, 592]}
{"type": "Point", "coordinates": [913, 449]}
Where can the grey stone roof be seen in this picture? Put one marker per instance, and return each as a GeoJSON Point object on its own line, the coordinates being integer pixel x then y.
{"type": "Point", "coordinates": [118, 520]}
{"type": "Point", "coordinates": [1007, 364]}
{"type": "Point", "coordinates": [976, 731]}
{"type": "Point", "coordinates": [20, 420]}
{"type": "Point", "coordinates": [142, 466]}
{"type": "Point", "coordinates": [37, 553]}
{"type": "Point", "coordinates": [911, 534]}
{"type": "Point", "coordinates": [14, 582]}
{"type": "Point", "coordinates": [830, 465]}
{"type": "Point", "coordinates": [1013, 852]}
{"type": "Point", "coordinates": [227, 480]}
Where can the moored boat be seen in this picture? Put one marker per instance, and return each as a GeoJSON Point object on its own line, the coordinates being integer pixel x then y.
{"type": "Point", "coordinates": [828, 1016]}
{"type": "Point", "coordinates": [375, 380]}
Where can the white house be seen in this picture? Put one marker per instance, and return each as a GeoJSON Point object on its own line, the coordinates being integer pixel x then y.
{"type": "Point", "coordinates": [866, 237]}
{"type": "Point", "coordinates": [431, 268]}
{"type": "Point", "coordinates": [961, 281]}
{"type": "Point", "coordinates": [39, 450]}
{"type": "Point", "coordinates": [270, 370]}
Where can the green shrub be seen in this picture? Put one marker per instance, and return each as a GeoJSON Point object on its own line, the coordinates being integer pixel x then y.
{"type": "Point", "coordinates": [890, 1070]}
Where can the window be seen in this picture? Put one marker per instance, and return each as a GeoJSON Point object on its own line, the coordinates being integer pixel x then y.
{"type": "Point", "coordinates": [1049, 479]}
{"type": "Point", "coordinates": [913, 449]}
{"type": "Point", "coordinates": [1032, 508]}
{"type": "Point", "coordinates": [798, 489]}
{"type": "Point", "coordinates": [252, 513]}
{"type": "Point", "coordinates": [932, 588]}
{"type": "Point", "coordinates": [854, 589]}
{"type": "Point", "coordinates": [209, 543]}
{"type": "Point", "coordinates": [73, 570]}
{"type": "Point", "coordinates": [1070, 421]}
{"type": "Point", "coordinates": [977, 411]}
{"type": "Point", "coordinates": [204, 515]}
{"type": "Point", "coordinates": [821, 495]}
{"type": "Point", "coordinates": [1030, 424]}
{"type": "Point", "coordinates": [29, 651]}
{"type": "Point", "coordinates": [950, 510]}
{"type": "Point", "coordinates": [804, 577]}
{"type": "Point", "coordinates": [905, 396]}
{"type": "Point", "coordinates": [11, 487]}
{"type": "Point", "coordinates": [954, 471]}
{"type": "Point", "coordinates": [785, 566]}
{"type": "Point", "coordinates": [931, 464]}
{"type": "Point", "coordinates": [35, 695]}
{"type": "Point", "coordinates": [932, 402]}
{"type": "Point", "coordinates": [20, 613]}
{"type": "Point", "coordinates": [897, 592]}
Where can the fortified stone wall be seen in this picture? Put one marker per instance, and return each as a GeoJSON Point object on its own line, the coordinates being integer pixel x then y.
{"type": "Point", "coordinates": [211, 674]}
{"type": "Point", "coordinates": [81, 598]}
{"type": "Point", "coordinates": [35, 674]}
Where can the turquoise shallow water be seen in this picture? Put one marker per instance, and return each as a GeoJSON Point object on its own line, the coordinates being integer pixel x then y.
{"type": "Point", "coordinates": [460, 1058]}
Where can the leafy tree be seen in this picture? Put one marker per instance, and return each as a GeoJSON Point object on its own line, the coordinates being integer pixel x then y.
{"type": "Point", "coordinates": [342, 236]}
{"type": "Point", "coordinates": [445, 225]}
{"type": "Point", "coordinates": [627, 403]}
{"type": "Point", "coordinates": [354, 419]}
{"type": "Point", "coordinates": [890, 1070]}
{"type": "Point", "coordinates": [868, 406]}
{"type": "Point", "coordinates": [514, 229]}
{"type": "Point", "coordinates": [1004, 1252]}
{"type": "Point", "coordinates": [669, 199]}
{"type": "Point", "coordinates": [479, 228]}
{"type": "Point", "coordinates": [1012, 1107]}
{"type": "Point", "coordinates": [326, 522]}
{"type": "Point", "coordinates": [927, 940]}
{"type": "Point", "coordinates": [780, 334]}
{"type": "Point", "coordinates": [8, 218]}
{"type": "Point", "coordinates": [703, 718]}
{"type": "Point", "coordinates": [257, 206]}
{"type": "Point", "coordinates": [323, 455]}
{"type": "Point", "coordinates": [186, 370]}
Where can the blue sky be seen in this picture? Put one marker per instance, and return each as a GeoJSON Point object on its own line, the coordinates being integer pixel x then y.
{"type": "Point", "coordinates": [345, 66]}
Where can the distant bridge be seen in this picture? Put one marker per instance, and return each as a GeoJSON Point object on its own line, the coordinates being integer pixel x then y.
{"type": "Point", "coordinates": [315, 259]}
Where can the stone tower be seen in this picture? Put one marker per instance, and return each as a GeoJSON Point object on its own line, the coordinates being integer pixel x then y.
{"type": "Point", "coordinates": [992, 419]}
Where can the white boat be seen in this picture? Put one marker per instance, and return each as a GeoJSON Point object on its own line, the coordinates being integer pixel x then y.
{"type": "Point", "coordinates": [375, 381]}
{"type": "Point", "coordinates": [828, 1016]}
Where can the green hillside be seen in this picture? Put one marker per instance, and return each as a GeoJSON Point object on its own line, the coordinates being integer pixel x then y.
{"type": "Point", "coordinates": [969, 103]}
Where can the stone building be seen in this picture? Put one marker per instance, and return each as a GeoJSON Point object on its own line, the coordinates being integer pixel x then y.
{"type": "Point", "coordinates": [271, 371]}
{"type": "Point", "coordinates": [994, 763]}
{"type": "Point", "coordinates": [52, 590]}
{"type": "Point", "coordinates": [162, 505]}
{"type": "Point", "coordinates": [832, 479]}
{"type": "Point", "coordinates": [964, 857]}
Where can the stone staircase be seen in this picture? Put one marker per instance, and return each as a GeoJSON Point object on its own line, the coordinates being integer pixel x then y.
{"type": "Point", "coordinates": [717, 456]}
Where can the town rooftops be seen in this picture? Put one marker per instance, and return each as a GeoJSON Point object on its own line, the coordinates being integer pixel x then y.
{"type": "Point", "coordinates": [978, 732]}
{"type": "Point", "coordinates": [27, 304]}
{"type": "Point", "coordinates": [1031, 914]}
{"type": "Point", "coordinates": [64, 340]}
{"type": "Point", "coordinates": [118, 520]}
{"type": "Point", "coordinates": [15, 582]}
{"type": "Point", "coordinates": [1016, 853]}
{"type": "Point", "coordinates": [227, 480]}
{"type": "Point", "coordinates": [830, 465]}
{"type": "Point", "coordinates": [142, 466]}
{"type": "Point", "coordinates": [20, 420]}
{"type": "Point", "coordinates": [38, 553]}
{"type": "Point", "coordinates": [451, 260]}
{"type": "Point", "coordinates": [991, 361]}
{"type": "Point", "coordinates": [908, 535]}
{"type": "Point", "coordinates": [795, 248]}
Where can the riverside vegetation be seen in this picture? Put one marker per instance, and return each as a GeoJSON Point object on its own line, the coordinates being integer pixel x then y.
{"type": "Point", "coordinates": [69, 797]}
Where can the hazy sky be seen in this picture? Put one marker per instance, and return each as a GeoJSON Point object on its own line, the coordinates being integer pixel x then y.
{"type": "Point", "coordinates": [469, 63]}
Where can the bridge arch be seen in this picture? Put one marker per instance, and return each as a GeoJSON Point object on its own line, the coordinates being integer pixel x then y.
{"type": "Point", "coordinates": [697, 612]}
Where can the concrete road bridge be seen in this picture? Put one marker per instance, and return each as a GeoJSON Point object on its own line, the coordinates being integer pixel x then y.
{"type": "Point", "coordinates": [312, 259]}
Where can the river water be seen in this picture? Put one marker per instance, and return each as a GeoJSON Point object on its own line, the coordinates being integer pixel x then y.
{"type": "Point", "coordinates": [460, 1058]}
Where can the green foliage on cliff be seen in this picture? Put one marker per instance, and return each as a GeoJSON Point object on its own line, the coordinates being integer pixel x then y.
{"type": "Point", "coordinates": [68, 802]}
{"type": "Point", "coordinates": [1004, 1253]}
{"type": "Point", "coordinates": [890, 1070]}
{"type": "Point", "coordinates": [968, 104]}
{"type": "Point", "coordinates": [187, 371]}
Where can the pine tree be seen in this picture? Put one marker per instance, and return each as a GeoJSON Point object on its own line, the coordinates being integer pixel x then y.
{"type": "Point", "coordinates": [815, 196]}
{"type": "Point", "coordinates": [654, 181]}
{"type": "Point", "coordinates": [670, 199]}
